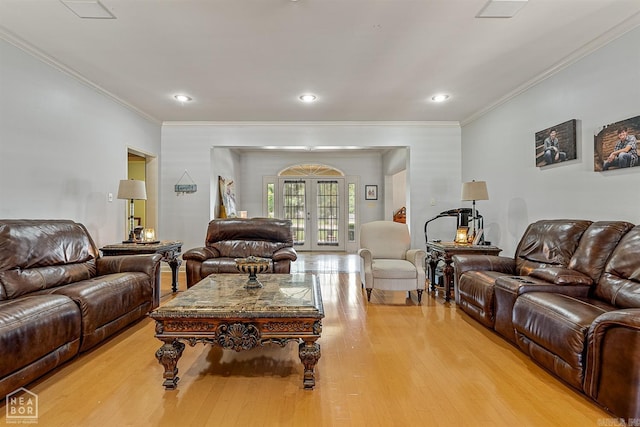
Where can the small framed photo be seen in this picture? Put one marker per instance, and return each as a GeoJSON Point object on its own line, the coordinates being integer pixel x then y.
{"type": "Point", "coordinates": [371, 192]}
{"type": "Point", "coordinates": [478, 236]}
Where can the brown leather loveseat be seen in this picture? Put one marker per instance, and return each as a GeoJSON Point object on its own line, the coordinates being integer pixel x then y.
{"type": "Point", "coordinates": [231, 238]}
{"type": "Point", "coordinates": [58, 297]}
{"type": "Point", "coordinates": [569, 299]}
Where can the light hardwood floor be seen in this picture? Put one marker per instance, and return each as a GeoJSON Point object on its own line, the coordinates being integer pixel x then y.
{"type": "Point", "coordinates": [390, 362]}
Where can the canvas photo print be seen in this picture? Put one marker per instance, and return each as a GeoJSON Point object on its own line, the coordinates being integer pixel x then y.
{"type": "Point", "coordinates": [556, 144]}
{"type": "Point", "coordinates": [616, 145]}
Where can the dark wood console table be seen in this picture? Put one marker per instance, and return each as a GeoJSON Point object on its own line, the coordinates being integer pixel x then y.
{"type": "Point", "coordinates": [170, 251]}
{"type": "Point", "coordinates": [444, 251]}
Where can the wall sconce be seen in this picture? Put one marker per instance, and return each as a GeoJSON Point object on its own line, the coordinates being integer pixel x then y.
{"type": "Point", "coordinates": [462, 235]}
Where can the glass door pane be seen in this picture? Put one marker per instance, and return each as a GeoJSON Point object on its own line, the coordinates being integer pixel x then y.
{"type": "Point", "coordinates": [316, 208]}
{"type": "Point", "coordinates": [327, 213]}
{"type": "Point", "coordinates": [294, 208]}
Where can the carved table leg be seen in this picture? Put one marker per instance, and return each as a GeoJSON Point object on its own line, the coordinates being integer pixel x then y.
{"type": "Point", "coordinates": [174, 264]}
{"type": "Point", "coordinates": [309, 354]}
{"type": "Point", "coordinates": [168, 356]}
{"type": "Point", "coordinates": [432, 262]}
{"type": "Point", "coordinates": [448, 278]}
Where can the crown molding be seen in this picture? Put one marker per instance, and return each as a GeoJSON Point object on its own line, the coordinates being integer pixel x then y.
{"type": "Point", "coordinates": [25, 46]}
{"type": "Point", "coordinates": [446, 124]}
{"type": "Point", "coordinates": [612, 34]}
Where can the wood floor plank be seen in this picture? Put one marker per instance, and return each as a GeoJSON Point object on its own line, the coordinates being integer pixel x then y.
{"type": "Point", "coordinates": [390, 362]}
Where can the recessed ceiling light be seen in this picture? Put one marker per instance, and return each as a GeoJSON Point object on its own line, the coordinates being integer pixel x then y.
{"type": "Point", "coordinates": [183, 98]}
{"type": "Point", "coordinates": [307, 97]}
{"type": "Point", "coordinates": [440, 97]}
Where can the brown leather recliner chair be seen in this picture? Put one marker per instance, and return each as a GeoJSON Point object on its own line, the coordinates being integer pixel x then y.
{"type": "Point", "coordinates": [231, 238]}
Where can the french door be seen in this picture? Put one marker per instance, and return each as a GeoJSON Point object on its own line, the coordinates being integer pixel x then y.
{"type": "Point", "coordinates": [315, 207]}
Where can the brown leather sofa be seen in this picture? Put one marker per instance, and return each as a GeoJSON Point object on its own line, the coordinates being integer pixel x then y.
{"type": "Point", "coordinates": [58, 297]}
{"type": "Point", "coordinates": [231, 238]}
{"type": "Point", "coordinates": [570, 299]}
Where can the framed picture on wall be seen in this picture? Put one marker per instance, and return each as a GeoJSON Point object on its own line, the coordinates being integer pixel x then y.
{"type": "Point", "coordinates": [556, 144]}
{"type": "Point", "coordinates": [371, 192]}
{"type": "Point", "coordinates": [616, 145]}
{"type": "Point", "coordinates": [227, 197]}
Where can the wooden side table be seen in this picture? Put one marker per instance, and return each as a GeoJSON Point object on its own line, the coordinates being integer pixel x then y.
{"type": "Point", "coordinates": [170, 251]}
{"type": "Point", "coordinates": [444, 251]}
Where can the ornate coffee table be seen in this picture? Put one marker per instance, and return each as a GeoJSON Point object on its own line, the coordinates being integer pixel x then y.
{"type": "Point", "coordinates": [219, 310]}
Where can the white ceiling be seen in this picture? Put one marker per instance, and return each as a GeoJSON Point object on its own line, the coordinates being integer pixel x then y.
{"type": "Point", "coordinates": [249, 60]}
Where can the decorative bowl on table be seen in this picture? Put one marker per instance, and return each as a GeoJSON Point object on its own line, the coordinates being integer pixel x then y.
{"type": "Point", "coordinates": [253, 266]}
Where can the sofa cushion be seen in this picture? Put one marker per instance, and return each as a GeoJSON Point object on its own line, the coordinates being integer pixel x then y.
{"type": "Point", "coordinates": [19, 282]}
{"type": "Point", "coordinates": [267, 229]}
{"type": "Point", "coordinates": [509, 288]}
{"type": "Point", "coordinates": [552, 329]}
{"type": "Point", "coordinates": [561, 276]}
{"type": "Point", "coordinates": [393, 269]}
{"type": "Point", "coordinates": [32, 327]}
{"type": "Point", "coordinates": [104, 299]}
{"type": "Point", "coordinates": [619, 285]}
{"type": "Point", "coordinates": [40, 254]}
{"type": "Point", "coordinates": [596, 245]}
{"type": "Point", "coordinates": [548, 243]}
{"type": "Point", "coordinates": [245, 248]}
{"type": "Point", "coordinates": [385, 239]}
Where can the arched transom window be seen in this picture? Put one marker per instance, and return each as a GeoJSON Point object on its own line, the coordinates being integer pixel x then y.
{"type": "Point", "coordinates": [310, 170]}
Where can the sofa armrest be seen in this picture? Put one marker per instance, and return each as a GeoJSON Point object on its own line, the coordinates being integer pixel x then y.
{"type": "Point", "coordinates": [144, 263]}
{"type": "Point", "coordinates": [366, 256]}
{"type": "Point", "coordinates": [366, 270]}
{"type": "Point", "coordinates": [464, 263]}
{"type": "Point", "coordinates": [613, 362]}
{"type": "Point", "coordinates": [200, 254]}
{"type": "Point", "coordinates": [284, 254]}
{"type": "Point", "coordinates": [416, 257]}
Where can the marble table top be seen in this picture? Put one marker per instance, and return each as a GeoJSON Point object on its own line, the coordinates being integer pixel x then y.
{"type": "Point", "coordinates": [224, 295]}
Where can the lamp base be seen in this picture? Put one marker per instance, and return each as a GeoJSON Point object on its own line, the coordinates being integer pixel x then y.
{"type": "Point", "coordinates": [131, 239]}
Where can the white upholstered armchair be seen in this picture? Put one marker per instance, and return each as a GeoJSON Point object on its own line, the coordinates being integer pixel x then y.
{"type": "Point", "coordinates": [387, 261]}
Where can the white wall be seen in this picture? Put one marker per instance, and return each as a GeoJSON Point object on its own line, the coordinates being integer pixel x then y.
{"type": "Point", "coordinates": [367, 165]}
{"type": "Point", "coordinates": [63, 146]}
{"type": "Point", "coordinates": [399, 181]}
{"type": "Point", "coordinates": [602, 88]}
{"type": "Point", "coordinates": [434, 162]}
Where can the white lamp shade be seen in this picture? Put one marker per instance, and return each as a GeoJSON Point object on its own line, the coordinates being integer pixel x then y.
{"type": "Point", "coordinates": [474, 190]}
{"type": "Point", "coordinates": [132, 189]}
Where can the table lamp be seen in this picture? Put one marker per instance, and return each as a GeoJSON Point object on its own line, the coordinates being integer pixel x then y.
{"type": "Point", "coordinates": [474, 190]}
{"type": "Point", "coordinates": [131, 189]}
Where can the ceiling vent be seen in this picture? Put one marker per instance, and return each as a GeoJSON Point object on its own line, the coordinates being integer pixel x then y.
{"type": "Point", "coordinates": [501, 8]}
{"type": "Point", "coordinates": [88, 9]}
